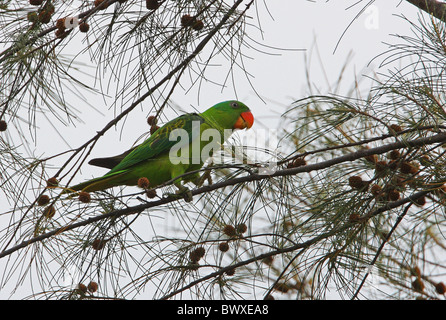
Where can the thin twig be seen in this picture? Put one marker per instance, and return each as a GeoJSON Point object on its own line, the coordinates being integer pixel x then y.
{"type": "Point", "coordinates": [378, 252]}
{"type": "Point", "coordinates": [438, 138]}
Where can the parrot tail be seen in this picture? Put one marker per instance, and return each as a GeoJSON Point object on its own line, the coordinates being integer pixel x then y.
{"type": "Point", "coordinates": [96, 184]}
{"type": "Point", "coordinates": [110, 162]}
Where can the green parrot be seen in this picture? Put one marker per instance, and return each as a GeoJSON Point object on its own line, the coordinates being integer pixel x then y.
{"type": "Point", "coordinates": [169, 153]}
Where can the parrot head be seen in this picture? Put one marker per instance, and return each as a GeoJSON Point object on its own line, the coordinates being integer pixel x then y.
{"type": "Point", "coordinates": [231, 115]}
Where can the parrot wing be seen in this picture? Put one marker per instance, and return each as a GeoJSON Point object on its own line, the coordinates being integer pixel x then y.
{"type": "Point", "coordinates": [160, 141]}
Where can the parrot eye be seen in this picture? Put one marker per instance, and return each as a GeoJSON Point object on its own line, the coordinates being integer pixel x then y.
{"type": "Point", "coordinates": [234, 105]}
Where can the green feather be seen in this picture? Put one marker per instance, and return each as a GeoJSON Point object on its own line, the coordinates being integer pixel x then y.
{"type": "Point", "coordinates": [151, 158]}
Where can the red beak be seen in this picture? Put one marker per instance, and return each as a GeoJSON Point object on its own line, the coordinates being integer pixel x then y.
{"type": "Point", "coordinates": [246, 120]}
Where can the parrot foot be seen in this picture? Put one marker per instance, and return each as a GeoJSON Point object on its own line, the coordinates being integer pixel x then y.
{"type": "Point", "coordinates": [206, 176]}
{"type": "Point", "coordinates": [199, 181]}
{"type": "Point", "coordinates": [187, 195]}
{"type": "Point", "coordinates": [182, 192]}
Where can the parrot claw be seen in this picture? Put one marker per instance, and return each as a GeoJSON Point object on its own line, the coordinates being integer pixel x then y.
{"type": "Point", "coordinates": [188, 196]}
{"type": "Point", "coordinates": [199, 181]}
{"type": "Point", "coordinates": [182, 192]}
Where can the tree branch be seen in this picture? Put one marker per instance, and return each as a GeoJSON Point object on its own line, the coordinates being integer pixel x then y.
{"type": "Point", "coordinates": [375, 258]}
{"type": "Point", "coordinates": [150, 91]}
{"type": "Point", "coordinates": [302, 245]}
{"type": "Point", "coordinates": [433, 7]}
{"type": "Point", "coordinates": [178, 68]}
{"type": "Point", "coordinates": [438, 138]}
